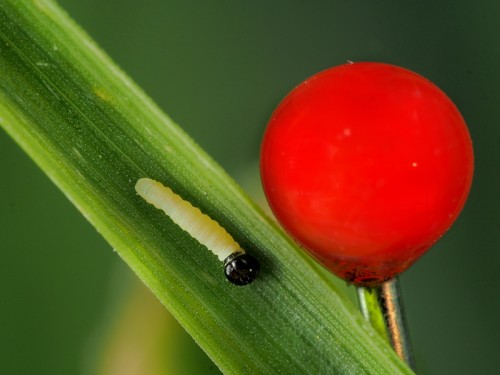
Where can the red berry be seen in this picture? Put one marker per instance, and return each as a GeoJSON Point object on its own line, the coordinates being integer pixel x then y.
{"type": "Point", "coordinates": [367, 165]}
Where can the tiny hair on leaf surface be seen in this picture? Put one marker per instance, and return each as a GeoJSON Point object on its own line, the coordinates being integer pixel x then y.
{"type": "Point", "coordinates": [95, 134]}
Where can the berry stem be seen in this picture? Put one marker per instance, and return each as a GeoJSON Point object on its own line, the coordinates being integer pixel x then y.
{"type": "Point", "coordinates": [382, 306]}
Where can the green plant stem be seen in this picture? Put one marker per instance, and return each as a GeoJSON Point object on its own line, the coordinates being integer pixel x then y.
{"type": "Point", "coordinates": [95, 133]}
{"type": "Point", "coordinates": [382, 306]}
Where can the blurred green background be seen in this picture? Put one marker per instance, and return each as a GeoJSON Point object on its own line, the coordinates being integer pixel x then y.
{"type": "Point", "coordinates": [67, 303]}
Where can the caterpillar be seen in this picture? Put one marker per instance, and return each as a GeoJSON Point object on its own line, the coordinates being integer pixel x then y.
{"type": "Point", "coordinates": [240, 268]}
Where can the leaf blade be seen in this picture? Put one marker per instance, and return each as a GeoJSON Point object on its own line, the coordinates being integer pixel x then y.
{"type": "Point", "coordinates": [95, 134]}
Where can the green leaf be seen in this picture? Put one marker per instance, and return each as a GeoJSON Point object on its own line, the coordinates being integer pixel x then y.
{"type": "Point", "coordinates": [95, 133]}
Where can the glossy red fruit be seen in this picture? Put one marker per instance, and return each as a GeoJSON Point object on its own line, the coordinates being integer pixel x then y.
{"type": "Point", "coordinates": [366, 165]}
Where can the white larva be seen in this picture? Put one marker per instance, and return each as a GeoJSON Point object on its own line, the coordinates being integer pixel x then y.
{"type": "Point", "coordinates": [240, 268]}
{"type": "Point", "coordinates": [200, 226]}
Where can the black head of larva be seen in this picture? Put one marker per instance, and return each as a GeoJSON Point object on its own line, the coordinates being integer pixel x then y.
{"type": "Point", "coordinates": [241, 269]}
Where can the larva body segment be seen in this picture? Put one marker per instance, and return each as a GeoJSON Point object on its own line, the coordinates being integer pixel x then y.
{"type": "Point", "coordinates": [200, 226]}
